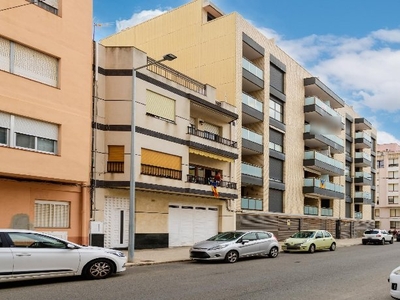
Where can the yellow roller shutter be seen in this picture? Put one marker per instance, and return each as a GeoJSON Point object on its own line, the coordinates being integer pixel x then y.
{"type": "Point", "coordinates": [159, 159]}
{"type": "Point", "coordinates": [160, 106]}
{"type": "Point", "coordinates": [116, 153]}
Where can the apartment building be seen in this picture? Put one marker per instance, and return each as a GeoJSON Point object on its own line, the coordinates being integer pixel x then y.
{"type": "Point", "coordinates": [387, 212]}
{"type": "Point", "coordinates": [45, 116]}
{"type": "Point", "coordinates": [183, 137]}
{"type": "Point", "coordinates": [306, 159]}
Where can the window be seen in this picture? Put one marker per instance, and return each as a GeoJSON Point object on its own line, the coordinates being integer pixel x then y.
{"type": "Point", "coordinates": [49, 5]}
{"type": "Point", "coordinates": [275, 140]}
{"type": "Point", "coordinates": [263, 235]}
{"type": "Point", "coordinates": [275, 110]}
{"type": "Point", "coordinates": [251, 204]}
{"type": "Point", "coordinates": [160, 106]}
{"type": "Point", "coordinates": [393, 162]}
{"type": "Point", "coordinates": [393, 187]}
{"type": "Point", "coordinates": [34, 240]}
{"type": "Point", "coordinates": [393, 199]}
{"type": "Point", "coordinates": [115, 163]}
{"type": "Point", "coordinates": [277, 78]}
{"type": "Point", "coordinates": [275, 169]}
{"type": "Point", "coordinates": [327, 234]}
{"type": "Point", "coordinates": [393, 175]}
{"type": "Point", "coordinates": [377, 212]}
{"type": "Point", "coordinates": [52, 214]}
{"type": "Point", "coordinates": [28, 133]}
{"type": "Point", "coordinates": [380, 164]}
{"type": "Point", "coordinates": [394, 224]}
{"type": "Point", "coordinates": [395, 212]}
{"type": "Point", "coordinates": [27, 62]}
{"type": "Point", "coordinates": [161, 164]}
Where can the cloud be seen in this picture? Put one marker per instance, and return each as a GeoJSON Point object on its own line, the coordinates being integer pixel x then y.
{"type": "Point", "coordinates": [138, 18]}
{"type": "Point", "coordinates": [386, 138]}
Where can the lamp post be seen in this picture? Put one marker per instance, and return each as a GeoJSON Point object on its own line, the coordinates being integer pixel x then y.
{"type": "Point", "coordinates": [132, 185]}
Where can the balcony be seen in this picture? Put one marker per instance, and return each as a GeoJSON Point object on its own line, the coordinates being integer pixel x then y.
{"type": "Point", "coordinates": [361, 124]}
{"type": "Point", "coordinates": [322, 189]}
{"type": "Point", "coordinates": [322, 163]}
{"type": "Point", "coordinates": [160, 172]}
{"type": "Point", "coordinates": [115, 167]}
{"type": "Point", "coordinates": [362, 159]}
{"type": "Point", "coordinates": [317, 111]}
{"type": "Point", "coordinates": [210, 181]}
{"type": "Point", "coordinates": [251, 175]}
{"type": "Point", "coordinates": [211, 137]}
{"type": "Point", "coordinates": [358, 215]}
{"type": "Point", "coordinates": [316, 137]}
{"type": "Point", "coordinates": [311, 210]}
{"type": "Point", "coordinates": [252, 203]}
{"type": "Point", "coordinates": [362, 140]}
{"type": "Point", "coordinates": [253, 77]}
{"type": "Point", "coordinates": [252, 143]}
{"type": "Point", "coordinates": [362, 198]}
{"type": "Point", "coordinates": [252, 110]}
{"type": "Point", "coordinates": [314, 87]}
{"type": "Point", "coordinates": [326, 212]}
{"type": "Point", "coordinates": [362, 178]}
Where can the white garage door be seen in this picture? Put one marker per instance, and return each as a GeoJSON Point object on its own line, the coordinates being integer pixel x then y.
{"type": "Point", "coordinates": [188, 224]}
{"type": "Point", "coordinates": [116, 222]}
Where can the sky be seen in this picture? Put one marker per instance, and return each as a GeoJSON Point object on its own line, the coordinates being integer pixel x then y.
{"type": "Point", "coordinates": [353, 46]}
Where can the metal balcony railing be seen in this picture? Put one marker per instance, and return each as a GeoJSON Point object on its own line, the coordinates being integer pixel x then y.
{"type": "Point", "coordinates": [160, 172]}
{"type": "Point", "coordinates": [210, 181]}
{"type": "Point", "coordinates": [175, 76]}
{"type": "Point", "coordinates": [211, 136]}
{"type": "Point", "coordinates": [115, 167]}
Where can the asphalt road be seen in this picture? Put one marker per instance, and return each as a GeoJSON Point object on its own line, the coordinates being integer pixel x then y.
{"type": "Point", "coordinates": [356, 272]}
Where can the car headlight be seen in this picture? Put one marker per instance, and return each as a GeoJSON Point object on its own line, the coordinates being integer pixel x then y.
{"type": "Point", "coordinates": [305, 242]}
{"type": "Point", "coordinates": [219, 247]}
{"type": "Point", "coordinates": [396, 272]}
{"type": "Point", "coordinates": [117, 253]}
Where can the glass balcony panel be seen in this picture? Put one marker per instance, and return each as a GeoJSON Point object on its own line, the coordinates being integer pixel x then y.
{"type": "Point", "coordinates": [324, 132]}
{"type": "Point", "coordinates": [363, 175]}
{"type": "Point", "coordinates": [358, 215]}
{"type": "Point", "coordinates": [363, 155]}
{"type": "Point", "coordinates": [254, 103]}
{"type": "Point", "coordinates": [252, 136]}
{"type": "Point", "coordinates": [311, 210]}
{"type": "Point", "coordinates": [251, 170]}
{"type": "Point", "coordinates": [326, 212]}
{"type": "Point", "coordinates": [249, 66]}
{"type": "Point", "coordinates": [364, 195]}
{"type": "Point", "coordinates": [315, 182]}
{"type": "Point", "coordinates": [325, 107]}
{"type": "Point", "coordinates": [363, 135]}
{"type": "Point", "coordinates": [323, 158]}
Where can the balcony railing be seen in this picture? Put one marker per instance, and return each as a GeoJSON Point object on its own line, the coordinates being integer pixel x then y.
{"type": "Point", "coordinates": [328, 212]}
{"type": "Point", "coordinates": [251, 170]}
{"type": "Point", "coordinates": [175, 76]}
{"type": "Point", "coordinates": [363, 155]}
{"type": "Point", "coordinates": [252, 136]}
{"type": "Point", "coordinates": [211, 136]}
{"type": "Point", "coordinates": [252, 102]}
{"type": "Point", "coordinates": [328, 109]}
{"type": "Point", "coordinates": [252, 203]}
{"type": "Point", "coordinates": [318, 130]}
{"type": "Point", "coordinates": [311, 210]}
{"type": "Point", "coordinates": [160, 172]}
{"type": "Point", "coordinates": [358, 215]}
{"type": "Point", "coordinates": [315, 182]}
{"type": "Point", "coordinates": [364, 175]}
{"type": "Point", "coordinates": [364, 195]}
{"type": "Point", "coordinates": [321, 157]}
{"type": "Point", "coordinates": [249, 66]}
{"type": "Point", "coordinates": [210, 181]}
{"type": "Point", "coordinates": [364, 136]}
{"type": "Point", "coordinates": [115, 167]}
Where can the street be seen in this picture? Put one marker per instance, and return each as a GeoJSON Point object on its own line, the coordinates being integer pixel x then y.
{"type": "Point", "coordinates": [355, 272]}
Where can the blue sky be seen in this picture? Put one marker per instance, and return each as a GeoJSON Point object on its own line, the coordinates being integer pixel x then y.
{"type": "Point", "coordinates": [353, 46]}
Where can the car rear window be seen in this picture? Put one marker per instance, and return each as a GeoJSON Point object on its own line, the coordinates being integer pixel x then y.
{"type": "Point", "coordinates": [371, 232]}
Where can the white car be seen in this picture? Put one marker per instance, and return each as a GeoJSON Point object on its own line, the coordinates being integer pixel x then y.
{"type": "Point", "coordinates": [394, 280]}
{"type": "Point", "coordinates": [26, 254]}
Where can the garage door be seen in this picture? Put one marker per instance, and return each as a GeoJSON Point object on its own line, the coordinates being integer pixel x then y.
{"type": "Point", "coordinates": [116, 222]}
{"type": "Point", "coordinates": [188, 224]}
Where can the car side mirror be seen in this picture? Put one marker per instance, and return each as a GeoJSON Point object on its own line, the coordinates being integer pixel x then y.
{"type": "Point", "coordinates": [245, 241]}
{"type": "Point", "coordinates": [70, 246]}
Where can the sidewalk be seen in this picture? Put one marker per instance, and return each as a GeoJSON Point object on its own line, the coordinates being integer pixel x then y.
{"type": "Point", "coordinates": [165, 255]}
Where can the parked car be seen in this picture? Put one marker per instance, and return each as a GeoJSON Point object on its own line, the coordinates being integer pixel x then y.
{"type": "Point", "coordinates": [394, 280]}
{"type": "Point", "coordinates": [26, 254]}
{"type": "Point", "coordinates": [232, 245]}
{"type": "Point", "coordinates": [309, 241]}
{"type": "Point", "coordinates": [377, 236]}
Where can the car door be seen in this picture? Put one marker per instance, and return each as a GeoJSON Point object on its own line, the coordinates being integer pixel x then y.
{"type": "Point", "coordinates": [36, 253]}
{"type": "Point", "coordinates": [319, 240]}
{"type": "Point", "coordinates": [6, 258]}
{"type": "Point", "coordinates": [328, 239]}
{"type": "Point", "coordinates": [264, 244]}
{"type": "Point", "coordinates": [248, 244]}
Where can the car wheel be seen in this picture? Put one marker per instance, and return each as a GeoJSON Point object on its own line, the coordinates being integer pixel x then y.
{"type": "Point", "coordinates": [312, 248]}
{"type": "Point", "coordinates": [391, 241]}
{"type": "Point", "coordinates": [364, 242]}
{"type": "Point", "coordinates": [98, 269]}
{"type": "Point", "coordinates": [273, 252]}
{"type": "Point", "coordinates": [383, 242]}
{"type": "Point", "coordinates": [232, 256]}
{"type": "Point", "coordinates": [333, 247]}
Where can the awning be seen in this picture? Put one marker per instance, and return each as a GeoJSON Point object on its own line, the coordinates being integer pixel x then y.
{"type": "Point", "coordinates": [210, 155]}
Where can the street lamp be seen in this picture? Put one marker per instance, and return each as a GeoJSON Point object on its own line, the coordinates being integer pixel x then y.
{"type": "Point", "coordinates": [132, 186]}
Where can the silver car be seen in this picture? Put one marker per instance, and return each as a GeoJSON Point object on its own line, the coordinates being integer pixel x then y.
{"type": "Point", "coordinates": [232, 245]}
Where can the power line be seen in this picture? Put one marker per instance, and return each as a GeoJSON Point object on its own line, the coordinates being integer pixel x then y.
{"type": "Point", "coordinates": [12, 7]}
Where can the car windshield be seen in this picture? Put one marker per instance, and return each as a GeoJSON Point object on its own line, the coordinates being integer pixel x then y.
{"type": "Point", "coordinates": [303, 235]}
{"type": "Point", "coordinates": [371, 232]}
{"type": "Point", "coordinates": [226, 236]}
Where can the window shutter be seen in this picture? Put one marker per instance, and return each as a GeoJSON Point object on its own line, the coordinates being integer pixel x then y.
{"type": "Point", "coordinates": [36, 128]}
{"type": "Point", "coordinates": [276, 137]}
{"type": "Point", "coordinates": [4, 55]}
{"type": "Point", "coordinates": [53, 3]}
{"type": "Point", "coordinates": [159, 159]}
{"type": "Point", "coordinates": [116, 153]}
{"type": "Point", "coordinates": [5, 120]}
{"type": "Point", "coordinates": [276, 78]}
{"type": "Point", "coordinates": [160, 106]}
{"type": "Point", "coordinates": [211, 128]}
{"type": "Point", "coordinates": [51, 214]}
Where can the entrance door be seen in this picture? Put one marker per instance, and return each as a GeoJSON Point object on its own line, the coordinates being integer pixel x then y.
{"type": "Point", "coordinates": [116, 222]}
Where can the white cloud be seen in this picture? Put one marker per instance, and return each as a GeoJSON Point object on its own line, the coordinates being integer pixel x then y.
{"type": "Point", "coordinates": [138, 18]}
{"type": "Point", "coordinates": [386, 138]}
{"type": "Point", "coordinates": [391, 36]}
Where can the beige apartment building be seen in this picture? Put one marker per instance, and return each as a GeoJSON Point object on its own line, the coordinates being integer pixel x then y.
{"type": "Point", "coordinates": [387, 212]}
{"type": "Point", "coordinates": [184, 136]}
{"type": "Point", "coordinates": [305, 158]}
{"type": "Point", "coordinates": [45, 116]}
